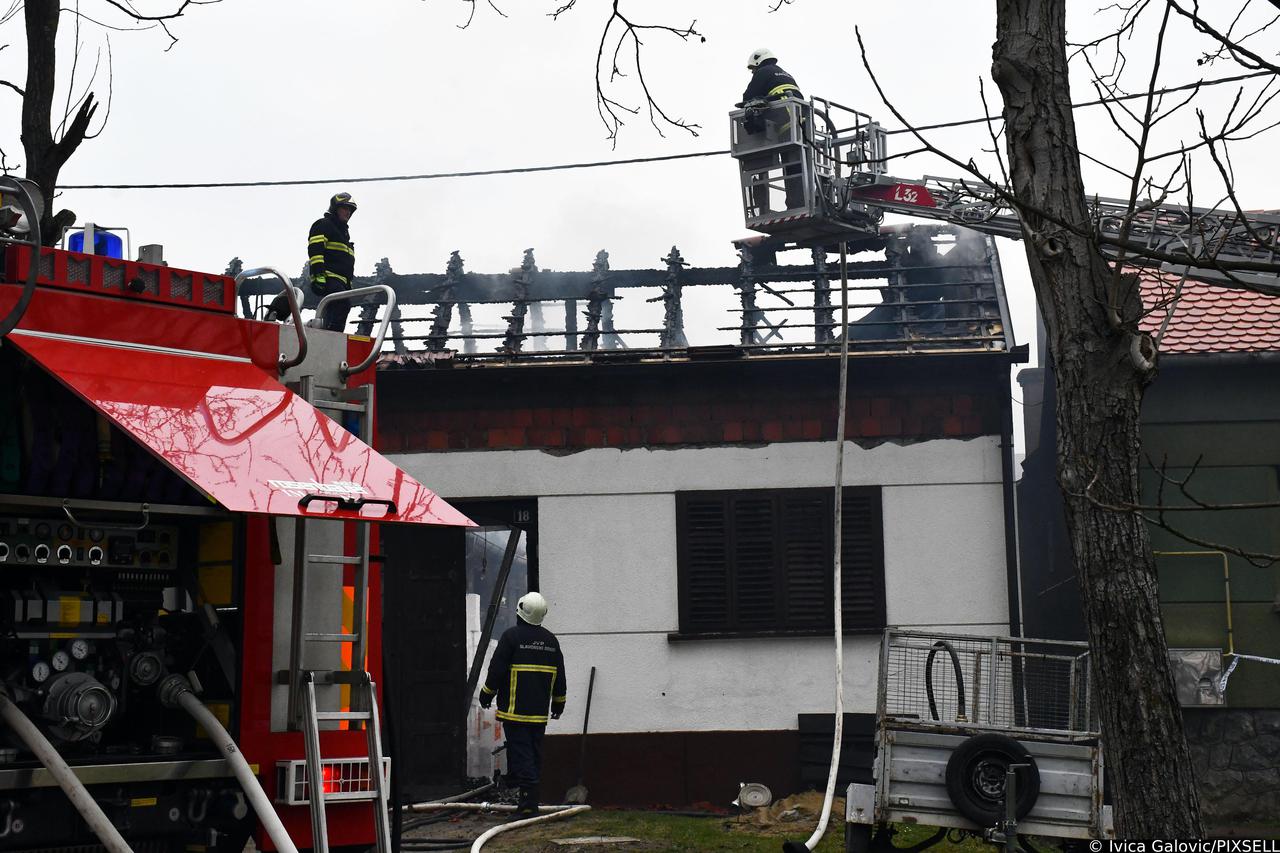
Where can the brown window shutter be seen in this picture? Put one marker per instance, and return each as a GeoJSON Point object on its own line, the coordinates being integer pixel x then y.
{"type": "Point", "coordinates": [862, 560]}
{"type": "Point", "coordinates": [806, 562]}
{"type": "Point", "coordinates": [704, 561]}
{"type": "Point", "coordinates": [755, 560]}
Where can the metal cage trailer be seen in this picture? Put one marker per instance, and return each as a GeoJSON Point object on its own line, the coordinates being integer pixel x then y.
{"type": "Point", "coordinates": [994, 736]}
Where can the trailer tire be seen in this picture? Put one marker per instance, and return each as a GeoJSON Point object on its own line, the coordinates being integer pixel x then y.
{"type": "Point", "coordinates": [857, 837]}
{"type": "Point", "coordinates": [976, 773]}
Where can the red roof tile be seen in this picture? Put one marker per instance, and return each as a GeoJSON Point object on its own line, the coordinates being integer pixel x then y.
{"type": "Point", "coordinates": [1208, 318]}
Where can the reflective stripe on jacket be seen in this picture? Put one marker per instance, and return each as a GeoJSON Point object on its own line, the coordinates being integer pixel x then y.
{"type": "Point", "coordinates": [527, 674]}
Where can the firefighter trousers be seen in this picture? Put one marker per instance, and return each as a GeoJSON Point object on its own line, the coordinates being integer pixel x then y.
{"type": "Point", "coordinates": [524, 753]}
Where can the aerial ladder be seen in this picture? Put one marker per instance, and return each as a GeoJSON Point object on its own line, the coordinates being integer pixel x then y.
{"type": "Point", "coordinates": [812, 172]}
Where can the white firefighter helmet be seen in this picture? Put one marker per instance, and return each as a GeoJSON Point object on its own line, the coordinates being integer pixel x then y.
{"type": "Point", "coordinates": [532, 608]}
{"type": "Point", "coordinates": [758, 57]}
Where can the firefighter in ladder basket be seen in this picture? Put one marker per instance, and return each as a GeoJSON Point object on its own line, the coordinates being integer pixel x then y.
{"type": "Point", "coordinates": [526, 675]}
{"type": "Point", "coordinates": [769, 84]}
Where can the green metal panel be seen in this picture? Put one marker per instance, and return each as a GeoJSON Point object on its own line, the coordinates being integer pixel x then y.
{"type": "Point", "coordinates": [1238, 463]}
{"type": "Point", "coordinates": [1216, 444]}
{"type": "Point", "coordinates": [1189, 579]}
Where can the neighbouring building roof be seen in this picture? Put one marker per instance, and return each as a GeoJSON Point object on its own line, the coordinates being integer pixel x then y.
{"type": "Point", "coordinates": [1209, 318]}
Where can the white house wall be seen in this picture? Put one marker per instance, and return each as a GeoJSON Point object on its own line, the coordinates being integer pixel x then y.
{"type": "Point", "coordinates": [607, 564]}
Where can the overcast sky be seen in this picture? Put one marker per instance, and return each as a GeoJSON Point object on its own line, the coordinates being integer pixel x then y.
{"type": "Point", "coordinates": [283, 89]}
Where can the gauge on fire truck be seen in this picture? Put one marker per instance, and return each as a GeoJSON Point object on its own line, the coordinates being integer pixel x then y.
{"type": "Point", "coordinates": [79, 649]}
{"type": "Point", "coordinates": [40, 672]}
{"type": "Point", "coordinates": [61, 660]}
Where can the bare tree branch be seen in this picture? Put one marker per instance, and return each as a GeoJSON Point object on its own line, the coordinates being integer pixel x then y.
{"type": "Point", "coordinates": [162, 21]}
{"type": "Point", "coordinates": [104, 25]}
{"type": "Point", "coordinates": [567, 6]}
{"type": "Point", "coordinates": [609, 108]}
{"type": "Point", "coordinates": [472, 15]}
{"type": "Point", "coordinates": [1242, 55]}
{"type": "Point", "coordinates": [177, 13]}
{"type": "Point", "coordinates": [111, 78]}
{"type": "Point", "coordinates": [1126, 224]}
{"type": "Point", "coordinates": [71, 83]}
{"type": "Point", "coordinates": [1257, 559]}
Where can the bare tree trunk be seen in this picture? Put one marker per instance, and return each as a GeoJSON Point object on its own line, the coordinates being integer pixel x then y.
{"type": "Point", "coordinates": [1092, 325]}
{"type": "Point", "coordinates": [45, 157]}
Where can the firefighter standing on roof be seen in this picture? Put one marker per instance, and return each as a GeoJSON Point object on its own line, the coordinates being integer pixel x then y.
{"type": "Point", "coordinates": [332, 258]}
{"type": "Point", "coordinates": [526, 675]}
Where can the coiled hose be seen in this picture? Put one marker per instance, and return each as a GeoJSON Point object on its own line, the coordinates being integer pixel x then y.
{"type": "Point", "coordinates": [943, 645]}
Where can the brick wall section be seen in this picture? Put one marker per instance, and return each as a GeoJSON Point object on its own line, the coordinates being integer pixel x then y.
{"type": "Point", "coordinates": [641, 410]}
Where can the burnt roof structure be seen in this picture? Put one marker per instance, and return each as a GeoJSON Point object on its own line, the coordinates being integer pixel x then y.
{"type": "Point", "coordinates": [937, 289]}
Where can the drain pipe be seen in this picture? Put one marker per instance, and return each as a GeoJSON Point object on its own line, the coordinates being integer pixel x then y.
{"type": "Point", "coordinates": [828, 799]}
{"type": "Point", "coordinates": [517, 824]}
{"type": "Point", "coordinates": [176, 692]}
{"type": "Point", "coordinates": [75, 790]}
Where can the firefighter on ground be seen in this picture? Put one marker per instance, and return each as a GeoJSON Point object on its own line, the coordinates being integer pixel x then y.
{"type": "Point", "coordinates": [332, 258]}
{"type": "Point", "coordinates": [770, 83]}
{"type": "Point", "coordinates": [526, 675]}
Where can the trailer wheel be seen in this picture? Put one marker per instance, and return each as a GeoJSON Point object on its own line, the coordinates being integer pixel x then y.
{"type": "Point", "coordinates": [857, 837]}
{"type": "Point", "coordinates": [976, 778]}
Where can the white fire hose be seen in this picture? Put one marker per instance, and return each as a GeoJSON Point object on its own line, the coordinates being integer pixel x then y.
{"type": "Point", "coordinates": [175, 692]}
{"type": "Point", "coordinates": [560, 811]}
{"type": "Point", "coordinates": [75, 790]}
{"type": "Point", "coordinates": [828, 797]}
{"type": "Point", "coordinates": [545, 813]}
{"type": "Point", "coordinates": [456, 798]}
{"type": "Point", "coordinates": [442, 806]}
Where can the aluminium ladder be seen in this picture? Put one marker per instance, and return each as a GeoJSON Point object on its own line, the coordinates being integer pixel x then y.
{"type": "Point", "coordinates": [303, 710]}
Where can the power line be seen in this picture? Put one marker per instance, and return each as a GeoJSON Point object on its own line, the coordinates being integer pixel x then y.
{"type": "Point", "coordinates": [1112, 100]}
{"type": "Point", "coordinates": [560, 167]}
{"type": "Point", "coordinates": [386, 178]}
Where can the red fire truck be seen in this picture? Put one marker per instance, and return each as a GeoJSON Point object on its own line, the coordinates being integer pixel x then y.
{"type": "Point", "coordinates": [189, 503]}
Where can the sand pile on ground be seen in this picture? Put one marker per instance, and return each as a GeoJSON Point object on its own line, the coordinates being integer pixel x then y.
{"type": "Point", "coordinates": [797, 813]}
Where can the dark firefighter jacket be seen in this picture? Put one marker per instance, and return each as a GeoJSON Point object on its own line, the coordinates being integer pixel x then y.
{"type": "Point", "coordinates": [332, 254]}
{"type": "Point", "coordinates": [527, 673]}
{"type": "Point", "coordinates": [770, 81]}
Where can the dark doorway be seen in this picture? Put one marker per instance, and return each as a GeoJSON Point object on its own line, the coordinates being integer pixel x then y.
{"type": "Point", "coordinates": [427, 639]}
